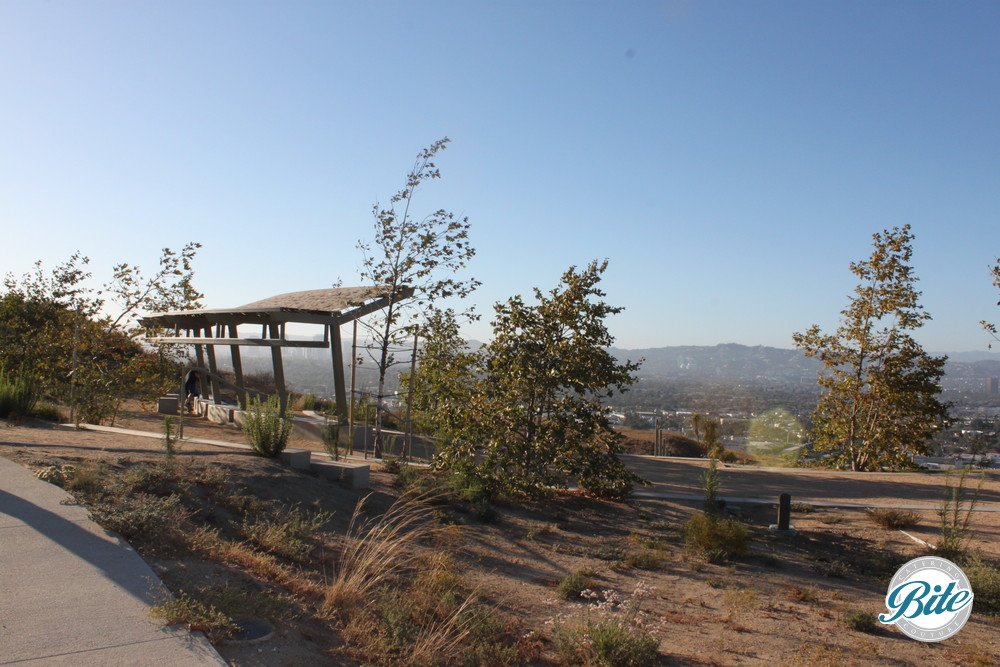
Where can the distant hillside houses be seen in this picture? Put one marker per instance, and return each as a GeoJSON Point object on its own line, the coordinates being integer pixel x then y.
{"type": "Point", "coordinates": [957, 461]}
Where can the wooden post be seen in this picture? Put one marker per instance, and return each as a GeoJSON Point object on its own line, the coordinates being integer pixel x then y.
{"type": "Point", "coordinates": [212, 368]}
{"type": "Point", "coordinates": [337, 352]}
{"type": "Point", "coordinates": [784, 511]}
{"type": "Point", "coordinates": [354, 368]}
{"type": "Point", "coordinates": [234, 353]}
{"type": "Point", "coordinates": [409, 397]}
{"type": "Point", "coordinates": [279, 370]}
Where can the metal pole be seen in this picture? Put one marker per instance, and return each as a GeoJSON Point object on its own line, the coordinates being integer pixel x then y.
{"type": "Point", "coordinates": [409, 396]}
{"type": "Point", "coordinates": [354, 367]}
{"type": "Point", "coordinates": [180, 408]}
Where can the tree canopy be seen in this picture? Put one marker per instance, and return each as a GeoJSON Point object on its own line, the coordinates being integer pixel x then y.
{"type": "Point", "coordinates": [524, 413]}
{"type": "Point", "coordinates": [879, 404]}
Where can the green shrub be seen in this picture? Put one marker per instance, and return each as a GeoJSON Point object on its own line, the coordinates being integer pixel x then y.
{"type": "Point", "coordinates": [330, 433]}
{"type": "Point", "coordinates": [391, 464]}
{"type": "Point", "coordinates": [573, 584]}
{"type": "Point", "coordinates": [859, 620]}
{"type": "Point", "coordinates": [608, 642]}
{"type": "Point", "coordinates": [19, 395]}
{"type": "Point", "coordinates": [710, 485]}
{"type": "Point", "coordinates": [985, 581]}
{"type": "Point", "coordinates": [286, 532]}
{"type": "Point", "coordinates": [644, 559]}
{"type": "Point", "coordinates": [266, 430]}
{"type": "Point", "coordinates": [169, 437]}
{"type": "Point", "coordinates": [892, 519]}
{"type": "Point", "coordinates": [196, 616]}
{"type": "Point", "coordinates": [715, 538]}
{"type": "Point", "coordinates": [140, 515]}
{"type": "Point", "coordinates": [407, 475]}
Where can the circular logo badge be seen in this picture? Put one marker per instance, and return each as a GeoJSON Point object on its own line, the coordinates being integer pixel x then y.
{"type": "Point", "coordinates": [929, 599]}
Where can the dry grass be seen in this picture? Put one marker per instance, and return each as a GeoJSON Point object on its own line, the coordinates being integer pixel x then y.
{"type": "Point", "coordinates": [373, 549]}
{"type": "Point", "coordinates": [209, 544]}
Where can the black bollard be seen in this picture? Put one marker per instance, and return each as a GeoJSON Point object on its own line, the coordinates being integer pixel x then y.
{"type": "Point", "coordinates": [784, 511]}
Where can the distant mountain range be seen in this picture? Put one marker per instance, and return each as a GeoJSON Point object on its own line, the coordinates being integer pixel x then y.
{"type": "Point", "coordinates": [309, 369]}
{"type": "Point", "coordinates": [742, 363]}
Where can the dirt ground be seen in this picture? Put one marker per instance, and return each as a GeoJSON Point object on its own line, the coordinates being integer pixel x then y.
{"type": "Point", "coordinates": [781, 604]}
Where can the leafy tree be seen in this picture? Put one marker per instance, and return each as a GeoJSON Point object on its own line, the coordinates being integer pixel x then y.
{"type": "Point", "coordinates": [533, 418]}
{"type": "Point", "coordinates": [56, 325]}
{"type": "Point", "coordinates": [991, 328]}
{"type": "Point", "coordinates": [415, 260]}
{"type": "Point", "coordinates": [445, 377]}
{"type": "Point", "coordinates": [879, 402]}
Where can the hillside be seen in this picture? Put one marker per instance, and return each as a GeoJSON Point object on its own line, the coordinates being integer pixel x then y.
{"type": "Point", "coordinates": [236, 536]}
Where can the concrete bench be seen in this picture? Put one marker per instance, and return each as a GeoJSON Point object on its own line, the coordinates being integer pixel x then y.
{"type": "Point", "coordinates": [167, 405]}
{"type": "Point", "coordinates": [356, 474]}
{"type": "Point", "coordinates": [220, 414]}
{"type": "Point", "coordinates": [296, 458]}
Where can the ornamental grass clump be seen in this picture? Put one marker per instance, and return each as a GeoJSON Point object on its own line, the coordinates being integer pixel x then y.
{"type": "Point", "coordinates": [266, 430]}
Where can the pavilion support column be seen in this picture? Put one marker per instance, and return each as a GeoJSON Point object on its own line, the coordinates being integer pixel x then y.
{"type": "Point", "coordinates": [212, 368]}
{"type": "Point", "coordinates": [279, 369]}
{"type": "Point", "coordinates": [234, 352]}
{"type": "Point", "coordinates": [199, 355]}
{"type": "Point", "coordinates": [337, 352]}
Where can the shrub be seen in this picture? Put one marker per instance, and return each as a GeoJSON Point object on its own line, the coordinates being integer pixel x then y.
{"type": "Point", "coordinates": [985, 581]}
{"type": "Point", "coordinates": [330, 433]}
{"type": "Point", "coordinates": [710, 485]}
{"type": "Point", "coordinates": [266, 430]}
{"type": "Point", "coordinates": [391, 464]}
{"type": "Point", "coordinates": [169, 437]}
{"type": "Point", "coordinates": [49, 412]}
{"type": "Point", "coordinates": [715, 538]}
{"type": "Point", "coordinates": [286, 532]}
{"type": "Point", "coordinates": [196, 616]}
{"type": "Point", "coordinates": [608, 642]}
{"type": "Point", "coordinates": [892, 519]}
{"type": "Point", "coordinates": [859, 620]}
{"type": "Point", "coordinates": [573, 584]}
{"type": "Point", "coordinates": [644, 559]}
{"type": "Point", "coordinates": [140, 516]}
{"type": "Point", "coordinates": [18, 395]}
{"type": "Point", "coordinates": [956, 516]}
{"type": "Point", "coordinates": [157, 480]}
{"type": "Point", "coordinates": [86, 478]}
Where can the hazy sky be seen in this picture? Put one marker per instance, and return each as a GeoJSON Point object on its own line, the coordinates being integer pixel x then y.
{"type": "Point", "coordinates": [729, 158]}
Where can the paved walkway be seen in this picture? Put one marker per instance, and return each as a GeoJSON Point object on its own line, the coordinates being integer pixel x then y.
{"type": "Point", "coordinates": [73, 594]}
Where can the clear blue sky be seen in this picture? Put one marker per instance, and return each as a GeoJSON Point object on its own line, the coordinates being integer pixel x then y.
{"type": "Point", "coordinates": [729, 158]}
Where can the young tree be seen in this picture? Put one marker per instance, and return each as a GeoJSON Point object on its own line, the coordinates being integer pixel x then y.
{"type": "Point", "coordinates": [879, 404]}
{"type": "Point", "coordinates": [991, 328]}
{"type": "Point", "coordinates": [534, 418]}
{"type": "Point", "coordinates": [414, 259]}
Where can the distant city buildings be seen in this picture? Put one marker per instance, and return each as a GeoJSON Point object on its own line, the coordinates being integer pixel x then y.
{"type": "Point", "coordinates": [993, 386]}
